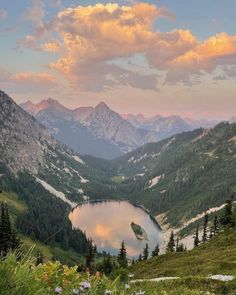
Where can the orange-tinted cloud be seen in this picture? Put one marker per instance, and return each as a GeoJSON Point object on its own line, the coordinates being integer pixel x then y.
{"type": "Point", "coordinates": [27, 81]}
{"type": "Point", "coordinates": [91, 38]}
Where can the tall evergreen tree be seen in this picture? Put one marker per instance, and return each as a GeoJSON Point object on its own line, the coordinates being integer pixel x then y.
{"type": "Point", "coordinates": [122, 256]}
{"type": "Point", "coordinates": [196, 241]}
{"type": "Point", "coordinates": [8, 237]}
{"type": "Point", "coordinates": [205, 229]}
{"type": "Point", "coordinates": [145, 252]}
{"type": "Point", "coordinates": [216, 225]}
{"type": "Point", "coordinates": [140, 257]}
{"type": "Point", "coordinates": [227, 218]}
{"type": "Point", "coordinates": [156, 251]}
{"type": "Point", "coordinates": [90, 255]}
{"type": "Point", "coordinates": [171, 244]}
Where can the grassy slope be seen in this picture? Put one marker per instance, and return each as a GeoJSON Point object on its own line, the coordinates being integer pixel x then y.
{"type": "Point", "coordinates": [218, 256]}
{"type": "Point", "coordinates": [17, 207]}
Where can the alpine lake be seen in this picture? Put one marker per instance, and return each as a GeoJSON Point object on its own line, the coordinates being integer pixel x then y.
{"type": "Point", "coordinates": [109, 223]}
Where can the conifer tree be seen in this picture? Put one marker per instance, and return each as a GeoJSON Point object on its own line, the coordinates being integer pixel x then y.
{"type": "Point", "coordinates": [227, 218]}
{"type": "Point", "coordinates": [107, 265]}
{"type": "Point", "coordinates": [211, 234]}
{"type": "Point", "coordinates": [145, 252]}
{"type": "Point", "coordinates": [171, 244]}
{"type": "Point", "coordinates": [196, 238]}
{"type": "Point", "coordinates": [122, 256]}
{"type": "Point", "coordinates": [140, 257]}
{"type": "Point", "coordinates": [90, 254]}
{"type": "Point", "coordinates": [156, 251]}
{"type": "Point", "coordinates": [216, 225]}
{"type": "Point", "coordinates": [8, 238]}
{"type": "Point", "coordinates": [205, 229]}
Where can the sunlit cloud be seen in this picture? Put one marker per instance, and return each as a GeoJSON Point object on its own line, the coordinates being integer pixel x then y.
{"type": "Point", "coordinates": [92, 37]}
{"type": "Point", "coordinates": [27, 81]}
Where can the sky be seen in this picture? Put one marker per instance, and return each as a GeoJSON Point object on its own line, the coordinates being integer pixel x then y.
{"type": "Point", "coordinates": [158, 57]}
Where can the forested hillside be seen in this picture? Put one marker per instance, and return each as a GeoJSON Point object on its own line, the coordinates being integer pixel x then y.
{"type": "Point", "coordinates": [181, 176]}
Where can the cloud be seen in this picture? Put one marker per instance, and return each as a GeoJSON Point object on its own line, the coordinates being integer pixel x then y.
{"type": "Point", "coordinates": [3, 14]}
{"type": "Point", "coordinates": [27, 81]}
{"type": "Point", "coordinates": [90, 38]}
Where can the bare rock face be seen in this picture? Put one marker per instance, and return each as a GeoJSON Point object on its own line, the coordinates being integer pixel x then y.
{"type": "Point", "coordinates": [22, 139]}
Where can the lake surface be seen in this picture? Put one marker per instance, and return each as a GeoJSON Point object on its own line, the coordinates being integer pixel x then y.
{"type": "Point", "coordinates": [109, 223]}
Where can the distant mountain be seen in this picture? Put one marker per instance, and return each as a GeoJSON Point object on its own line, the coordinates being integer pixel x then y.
{"type": "Point", "coordinates": [101, 132]}
{"type": "Point", "coordinates": [203, 123]}
{"type": "Point", "coordinates": [163, 127]}
{"type": "Point", "coordinates": [98, 131]}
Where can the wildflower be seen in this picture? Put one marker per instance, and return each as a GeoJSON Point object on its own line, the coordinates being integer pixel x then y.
{"type": "Point", "coordinates": [85, 285]}
{"type": "Point", "coordinates": [108, 292]}
{"type": "Point", "coordinates": [127, 286]}
{"type": "Point", "coordinates": [75, 292]}
{"type": "Point", "coordinates": [58, 290]}
{"type": "Point", "coordinates": [130, 275]}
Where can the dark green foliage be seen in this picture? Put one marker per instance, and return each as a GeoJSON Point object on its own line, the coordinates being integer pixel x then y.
{"type": "Point", "coordinates": [171, 244]}
{"type": "Point", "coordinates": [140, 257]}
{"type": "Point", "coordinates": [90, 254]}
{"type": "Point", "coordinates": [216, 227]}
{"type": "Point", "coordinates": [122, 256]}
{"type": "Point", "coordinates": [196, 241]}
{"type": "Point", "coordinates": [46, 219]}
{"type": "Point", "coordinates": [145, 252]}
{"type": "Point", "coordinates": [107, 266]}
{"type": "Point", "coordinates": [39, 259]}
{"type": "Point", "coordinates": [205, 229]}
{"type": "Point", "coordinates": [156, 251]}
{"type": "Point", "coordinates": [227, 217]}
{"type": "Point", "coordinates": [8, 238]}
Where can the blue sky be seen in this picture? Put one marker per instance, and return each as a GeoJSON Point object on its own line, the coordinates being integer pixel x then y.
{"type": "Point", "coordinates": [177, 78]}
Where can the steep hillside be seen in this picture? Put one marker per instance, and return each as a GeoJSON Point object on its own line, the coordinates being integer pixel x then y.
{"type": "Point", "coordinates": [182, 176]}
{"type": "Point", "coordinates": [45, 175]}
{"type": "Point", "coordinates": [215, 257]}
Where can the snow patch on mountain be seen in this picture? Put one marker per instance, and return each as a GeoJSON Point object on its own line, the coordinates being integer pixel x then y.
{"type": "Point", "coordinates": [155, 180]}
{"type": "Point", "coordinates": [78, 159]}
{"type": "Point", "coordinates": [55, 192]}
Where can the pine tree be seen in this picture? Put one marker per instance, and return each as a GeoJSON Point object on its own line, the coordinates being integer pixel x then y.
{"type": "Point", "coordinates": [216, 225]}
{"type": "Point", "coordinates": [181, 248]}
{"type": "Point", "coordinates": [122, 256]}
{"type": "Point", "coordinates": [8, 237]}
{"type": "Point", "coordinates": [171, 244]}
{"type": "Point", "coordinates": [156, 251]}
{"type": "Point", "coordinates": [196, 238]}
{"type": "Point", "coordinates": [145, 252]}
{"type": "Point", "coordinates": [107, 265]}
{"type": "Point", "coordinates": [140, 257]}
{"type": "Point", "coordinates": [205, 229]}
{"type": "Point", "coordinates": [90, 254]}
{"type": "Point", "coordinates": [227, 218]}
{"type": "Point", "coordinates": [211, 234]}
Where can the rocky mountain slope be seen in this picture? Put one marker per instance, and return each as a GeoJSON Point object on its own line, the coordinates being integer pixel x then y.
{"type": "Point", "coordinates": [180, 177]}
{"type": "Point", "coordinates": [27, 146]}
{"type": "Point", "coordinates": [100, 131]}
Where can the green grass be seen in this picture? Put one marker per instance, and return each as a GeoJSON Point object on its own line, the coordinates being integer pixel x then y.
{"type": "Point", "coordinates": [218, 256]}
{"type": "Point", "coordinates": [16, 207]}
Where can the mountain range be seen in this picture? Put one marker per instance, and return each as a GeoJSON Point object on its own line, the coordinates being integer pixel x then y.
{"type": "Point", "coordinates": [102, 132]}
{"type": "Point", "coordinates": [177, 179]}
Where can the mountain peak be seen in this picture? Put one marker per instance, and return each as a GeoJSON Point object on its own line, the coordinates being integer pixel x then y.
{"type": "Point", "coordinates": [102, 106]}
